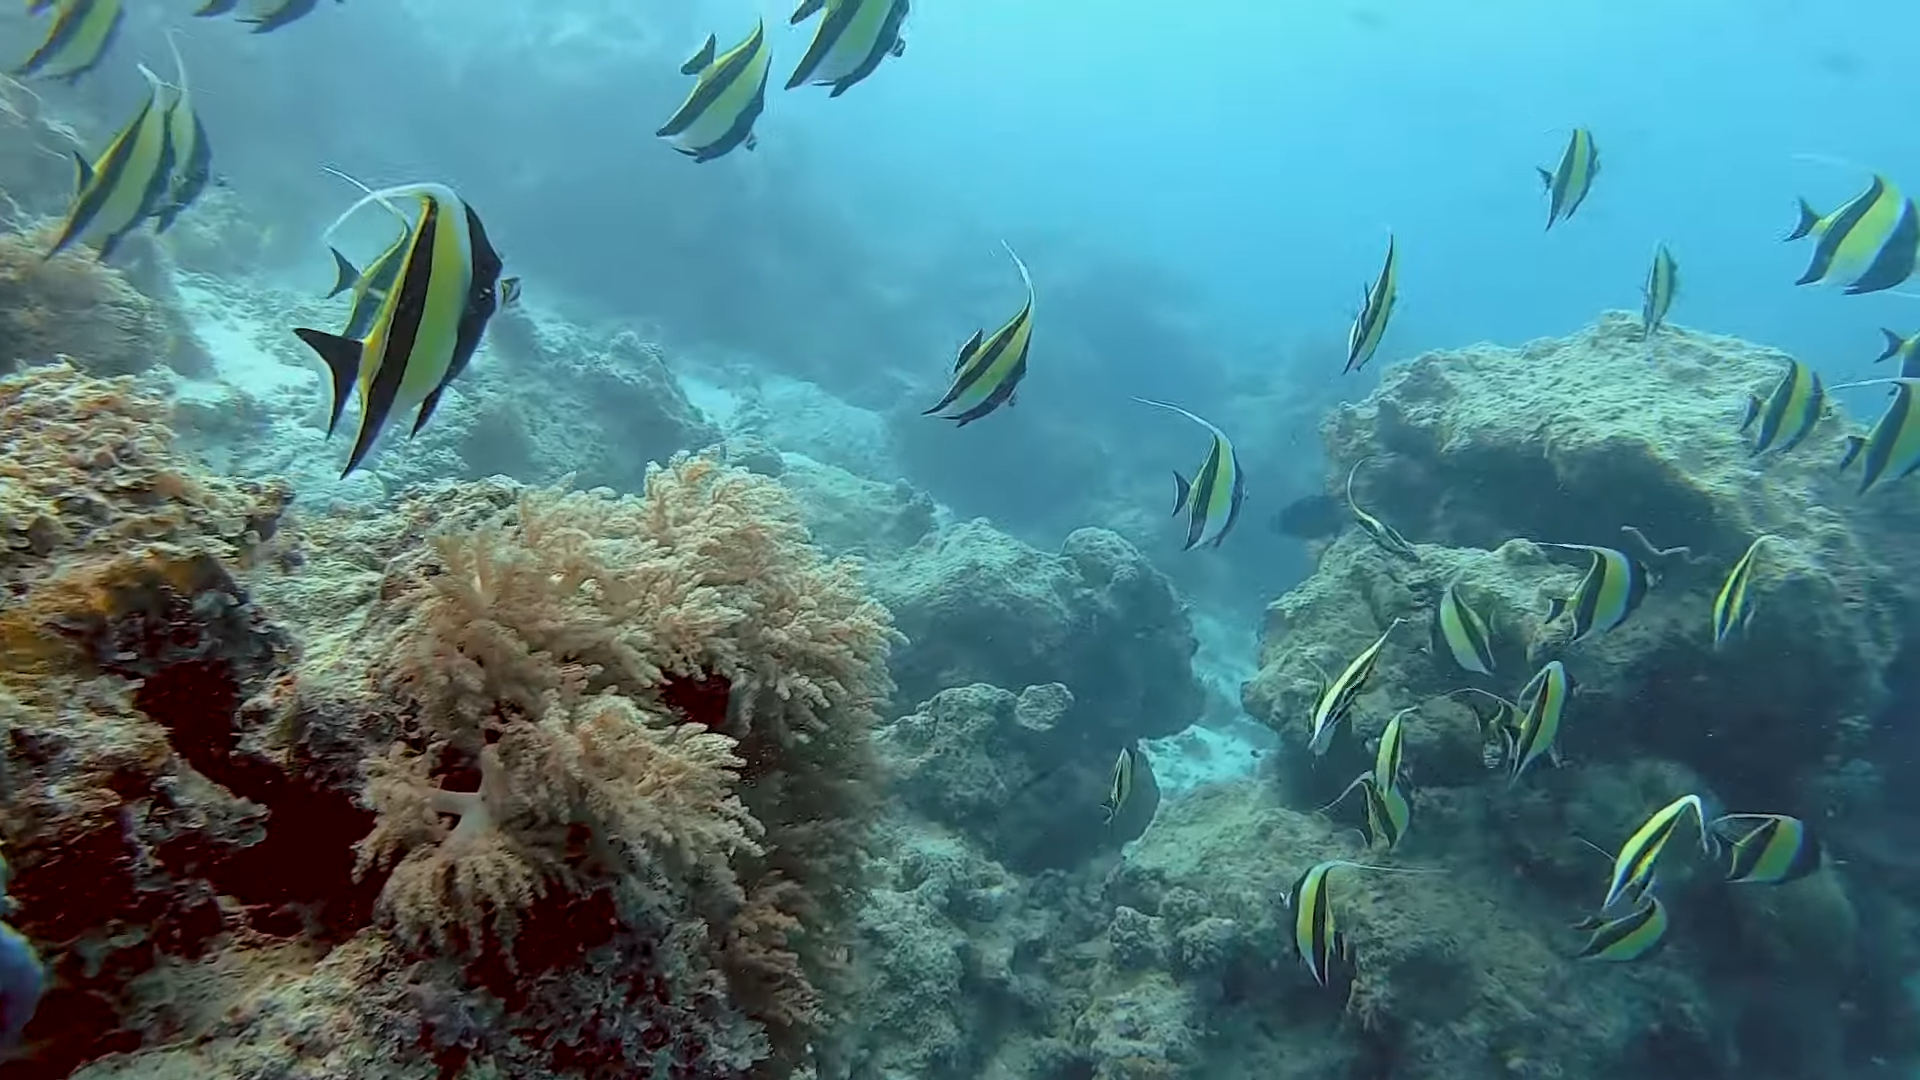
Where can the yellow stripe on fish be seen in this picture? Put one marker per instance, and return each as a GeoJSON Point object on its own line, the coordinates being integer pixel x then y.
{"type": "Point", "coordinates": [1612, 589]}
{"type": "Point", "coordinates": [1568, 184]}
{"type": "Point", "coordinates": [1120, 785]}
{"type": "Point", "coordinates": [1337, 698]}
{"type": "Point", "coordinates": [851, 40]}
{"type": "Point", "coordinates": [81, 33]}
{"type": "Point", "coordinates": [1637, 857]}
{"type": "Point", "coordinates": [429, 324]}
{"type": "Point", "coordinates": [1382, 534]}
{"type": "Point", "coordinates": [126, 184]}
{"type": "Point", "coordinates": [1870, 242]}
{"type": "Point", "coordinates": [719, 112]}
{"type": "Point", "coordinates": [1663, 283]}
{"type": "Point", "coordinates": [1212, 501]}
{"type": "Point", "coordinates": [989, 369]}
{"type": "Point", "coordinates": [1633, 936]}
{"type": "Point", "coordinates": [1375, 309]}
{"type": "Point", "coordinates": [1731, 609]}
{"type": "Point", "coordinates": [1772, 849]}
{"type": "Point", "coordinates": [1543, 702]}
{"type": "Point", "coordinates": [1460, 634]}
{"type": "Point", "coordinates": [1791, 410]}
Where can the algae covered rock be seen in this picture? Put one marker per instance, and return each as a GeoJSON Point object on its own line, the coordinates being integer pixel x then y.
{"type": "Point", "coordinates": [1484, 459]}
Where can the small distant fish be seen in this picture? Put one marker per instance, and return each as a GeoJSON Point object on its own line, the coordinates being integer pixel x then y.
{"type": "Point", "coordinates": [430, 323]}
{"type": "Point", "coordinates": [1311, 517]}
{"type": "Point", "coordinates": [125, 185]}
{"type": "Point", "coordinates": [1663, 283]}
{"type": "Point", "coordinates": [850, 41]}
{"type": "Point", "coordinates": [1906, 349]}
{"type": "Point", "coordinates": [1633, 936]}
{"type": "Point", "coordinates": [271, 15]}
{"type": "Point", "coordinates": [80, 35]}
{"type": "Point", "coordinates": [1870, 242]}
{"type": "Point", "coordinates": [719, 112]}
{"type": "Point", "coordinates": [1381, 533]}
{"type": "Point", "coordinates": [1634, 864]}
{"type": "Point", "coordinates": [509, 291]}
{"type": "Point", "coordinates": [1771, 850]}
{"type": "Point", "coordinates": [1460, 634]}
{"type": "Point", "coordinates": [192, 153]}
{"type": "Point", "coordinates": [1614, 586]}
{"type": "Point", "coordinates": [1212, 501]}
{"type": "Point", "coordinates": [1120, 787]}
{"type": "Point", "coordinates": [1731, 610]}
{"type": "Point", "coordinates": [1891, 450]}
{"type": "Point", "coordinates": [1375, 309]}
{"type": "Point", "coordinates": [989, 370]}
{"type": "Point", "coordinates": [1337, 698]}
{"type": "Point", "coordinates": [1791, 410]}
{"type": "Point", "coordinates": [1568, 184]}
{"type": "Point", "coordinates": [1542, 705]}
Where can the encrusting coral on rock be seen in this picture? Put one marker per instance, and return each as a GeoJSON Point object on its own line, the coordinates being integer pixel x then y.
{"type": "Point", "coordinates": [546, 782]}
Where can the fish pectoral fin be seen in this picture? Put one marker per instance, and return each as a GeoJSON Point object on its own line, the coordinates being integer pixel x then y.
{"type": "Point", "coordinates": [342, 357]}
{"type": "Point", "coordinates": [426, 409]}
{"type": "Point", "coordinates": [700, 60]}
{"type": "Point", "coordinates": [1181, 489]}
{"type": "Point", "coordinates": [344, 273]}
{"type": "Point", "coordinates": [1809, 220]}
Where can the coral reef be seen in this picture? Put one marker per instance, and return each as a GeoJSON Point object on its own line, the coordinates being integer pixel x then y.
{"type": "Point", "coordinates": [72, 307]}
{"type": "Point", "coordinates": [535, 781]}
{"type": "Point", "coordinates": [1480, 456]}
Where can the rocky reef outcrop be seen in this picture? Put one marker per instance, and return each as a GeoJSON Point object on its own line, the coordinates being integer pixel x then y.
{"type": "Point", "coordinates": [537, 781]}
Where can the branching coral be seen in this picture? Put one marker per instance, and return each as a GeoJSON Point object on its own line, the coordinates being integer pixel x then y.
{"type": "Point", "coordinates": [669, 698]}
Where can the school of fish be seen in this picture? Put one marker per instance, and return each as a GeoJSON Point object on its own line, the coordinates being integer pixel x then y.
{"type": "Point", "coordinates": [421, 305]}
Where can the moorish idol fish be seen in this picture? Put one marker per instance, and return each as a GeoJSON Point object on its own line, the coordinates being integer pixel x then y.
{"type": "Point", "coordinates": [1568, 184]}
{"type": "Point", "coordinates": [1542, 704]}
{"type": "Point", "coordinates": [1771, 849]}
{"type": "Point", "coordinates": [1381, 533]}
{"type": "Point", "coordinates": [1891, 450]}
{"type": "Point", "coordinates": [1791, 410]}
{"type": "Point", "coordinates": [720, 110]}
{"type": "Point", "coordinates": [1211, 502]}
{"type": "Point", "coordinates": [1731, 609]}
{"type": "Point", "coordinates": [1387, 808]}
{"type": "Point", "coordinates": [80, 35]}
{"type": "Point", "coordinates": [1663, 281]}
{"type": "Point", "coordinates": [1869, 243]}
{"type": "Point", "coordinates": [1614, 585]}
{"type": "Point", "coordinates": [1634, 864]}
{"type": "Point", "coordinates": [125, 186]}
{"type": "Point", "coordinates": [850, 42]}
{"type": "Point", "coordinates": [192, 153]}
{"type": "Point", "coordinates": [274, 14]}
{"type": "Point", "coordinates": [370, 286]}
{"type": "Point", "coordinates": [1906, 349]}
{"type": "Point", "coordinates": [1120, 787]}
{"type": "Point", "coordinates": [1375, 308]}
{"type": "Point", "coordinates": [989, 369]}
{"type": "Point", "coordinates": [428, 326]}
{"type": "Point", "coordinates": [1633, 936]}
{"type": "Point", "coordinates": [1460, 634]}
{"type": "Point", "coordinates": [1320, 944]}
{"type": "Point", "coordinates": [1337, 698]}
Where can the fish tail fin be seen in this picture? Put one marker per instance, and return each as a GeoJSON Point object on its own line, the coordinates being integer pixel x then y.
{"type": "Point", "coordinates": [1181, 489]}
{"type": "Point", "coordinates": [342, 357]}
{"type": "Point", "coordinates": [1753, 412]}
{"type": "Point", "coordinates": [344, 273]}
{"type": "Point", "coordinates": [1546, 177]}
{"type": "Point", "coordinates": [1894, 344]}
{"type": "Point", "coordinates": [1809, 220]}
{"type": "Point", "coordinates": [1854, 444]}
